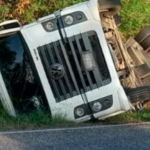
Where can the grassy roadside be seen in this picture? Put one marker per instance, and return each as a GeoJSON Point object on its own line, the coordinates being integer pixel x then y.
{"type": "Point", "coordinates": [130, 117]}
{"type": "Point", "coordinates": [42, 120]}
{"type": "Point", "coordinates": [135, 16]}
{"type": "Point", "coordinates": [34, 120]}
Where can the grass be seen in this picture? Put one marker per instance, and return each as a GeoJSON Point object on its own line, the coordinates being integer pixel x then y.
{"type": "Point", "coordinates": [135, 16]}
{"type": "Point", "coordinates": [34, 120]}
{"type": "Point", "coordinates": [130, 117]}
{"type": "Point", "coordinates": [42, 120]}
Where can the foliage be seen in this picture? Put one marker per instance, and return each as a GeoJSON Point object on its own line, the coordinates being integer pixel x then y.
{"type": "Point", "coordinates": [135, 13]}
{"type": "Point", "coordinates": [29, 10]}
{"type": "Point", "coordinates": [22, 6]}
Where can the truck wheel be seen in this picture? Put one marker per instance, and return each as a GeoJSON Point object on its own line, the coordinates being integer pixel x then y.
{"type": "Point", "coordinates": [143, 38]}
{"type": "Point", "coordinates": [139, 94]}
{"type": "Point", "coordinates": [110, 7]}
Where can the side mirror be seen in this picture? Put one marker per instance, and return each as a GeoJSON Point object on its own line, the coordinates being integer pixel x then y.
{"type": "Point", "coordinates": [10, 27]}
{"type": "Point", "coordinates": [11, 24]}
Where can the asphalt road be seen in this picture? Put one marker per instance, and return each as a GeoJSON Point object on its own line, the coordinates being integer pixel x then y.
{"type": "Point", "coordinates": [131, 137]}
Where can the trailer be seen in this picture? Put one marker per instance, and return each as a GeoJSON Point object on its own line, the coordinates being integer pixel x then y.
{"type": "Point", "coordinates": [74, 64]}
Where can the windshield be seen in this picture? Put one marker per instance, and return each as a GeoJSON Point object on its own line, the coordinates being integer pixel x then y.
{"type": "Point", "coordinates": [17, 74]}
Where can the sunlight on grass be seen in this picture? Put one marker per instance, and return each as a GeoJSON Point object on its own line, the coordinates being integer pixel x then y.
{"type": "Point", "coordinates": [130, 117]}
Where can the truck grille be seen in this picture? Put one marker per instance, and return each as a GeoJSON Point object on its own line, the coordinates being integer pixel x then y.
{"type": "Point", "coordinates": [76, 79]}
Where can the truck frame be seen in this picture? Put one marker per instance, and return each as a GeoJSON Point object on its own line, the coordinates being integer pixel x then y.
{"type": "Point", "coordinates": [72, 63]}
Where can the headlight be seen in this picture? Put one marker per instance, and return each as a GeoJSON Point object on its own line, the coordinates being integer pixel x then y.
{"type": "Point", "coordinates": [101, 104]}
{"type": "Point", "coordinates": [69, 20]}
{"type": "Point", "coordinates": [49, 25]}
{"type": "Point", "coordinates": [79, 111]}
{"type": "Point", "coordinates": [97, 106]}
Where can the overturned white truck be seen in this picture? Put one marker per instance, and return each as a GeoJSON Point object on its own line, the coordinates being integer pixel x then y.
{"type": "Point", "coordinates": [72, 63]}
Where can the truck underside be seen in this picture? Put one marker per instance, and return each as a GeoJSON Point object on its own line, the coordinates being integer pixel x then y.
{"type": "Point", "coordinates": [131, 61]}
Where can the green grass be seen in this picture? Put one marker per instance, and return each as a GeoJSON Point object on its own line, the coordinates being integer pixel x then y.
{"type": "Point", "coordinates": [130, 117]}
{"type": "Point", "coordinates": [34, 120]}
{"type": "Point", "coordinates": [42, 120]}
{"type": "Point", "coordinates": [135, 16]}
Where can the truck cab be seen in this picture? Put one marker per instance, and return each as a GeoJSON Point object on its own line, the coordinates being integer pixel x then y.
{"type": "Point", "coordinates": [72, 62]}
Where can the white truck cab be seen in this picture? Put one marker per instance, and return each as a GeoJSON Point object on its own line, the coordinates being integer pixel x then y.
{"type": "Point", "coordinates": [65, 62]}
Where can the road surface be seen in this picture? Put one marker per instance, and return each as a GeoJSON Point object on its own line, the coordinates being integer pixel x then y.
{"type": "Point", "coordinates": [126, 137]}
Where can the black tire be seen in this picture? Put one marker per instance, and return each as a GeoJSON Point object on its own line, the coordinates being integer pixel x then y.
{"type": "Point", "coordinates": [117, 19]}
{"type": "Point", "coordinates": [113, 6]}
{"type": "Point", "coordinates": [143, 37]}
{"type": "Point", "coordinates": [139, 94]}
{"type": "Point", "coordinates": [146, 43]}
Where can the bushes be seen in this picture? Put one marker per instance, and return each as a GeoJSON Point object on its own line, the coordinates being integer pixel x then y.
{"type": "Point", "coordinates": [29, 10]}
